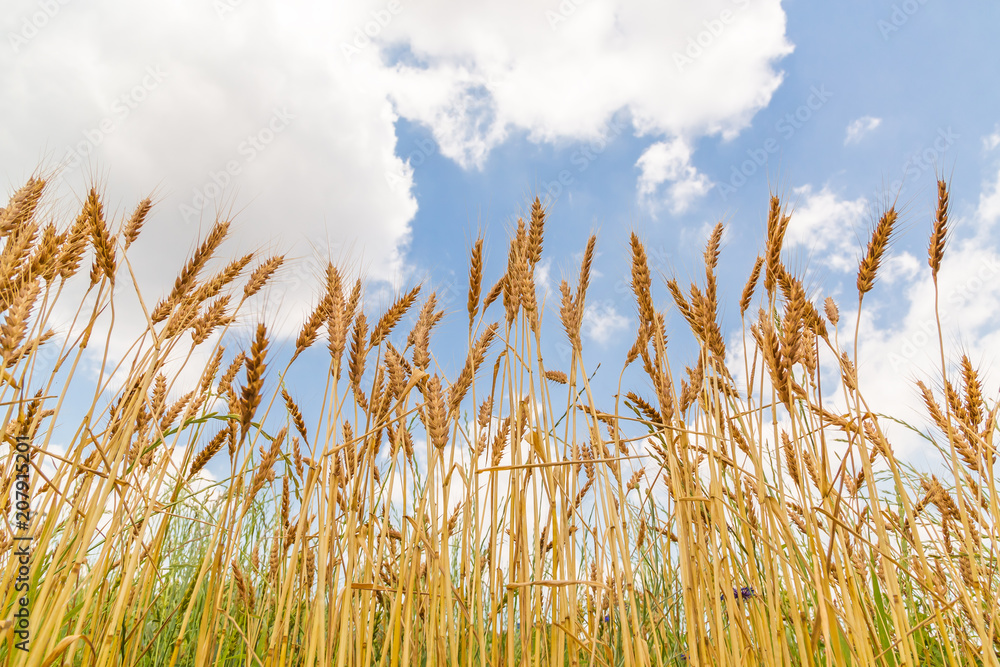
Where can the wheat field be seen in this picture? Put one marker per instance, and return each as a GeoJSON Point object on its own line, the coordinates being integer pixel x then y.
{"type": "Point", "coordinates": [707, 515]}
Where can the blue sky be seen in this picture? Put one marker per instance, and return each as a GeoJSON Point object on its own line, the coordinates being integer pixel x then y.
{"type": "Point", "coordinates": [914, 92]}
{"type": "Point", "coordinates": [392, 151]}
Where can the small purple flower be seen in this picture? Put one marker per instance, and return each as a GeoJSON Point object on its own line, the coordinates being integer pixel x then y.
{"type": "Point", "coordinates": [744, 593]}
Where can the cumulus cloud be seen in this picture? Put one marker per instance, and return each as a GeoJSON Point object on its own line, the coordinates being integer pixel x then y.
{"type": "Point", "coordinates": [697, 237]}
{"type": "Point", "coordinates": [669, 163]}
{"type": "Point", "coordinates": [474, 73]}
{"type": "Point", "coordinates": [285, 114]}
{"type": "Point", "coordinates": [825, 225]}
{"type": "Point", "coordinates": [602, 321]}
{"type": "Point", "coordinates": [337, 79]}
{"type": "Point", "coordinates": [989, 203]}
{"type": "Point", "coordinates": [860, 127]}
{"type": "Point", "coordinates": [543, 277]}
{"type": "Point", "coordinates": [901, 267]}
{"type": "Point", "coordinates": [895, 354]}
{"type": "Point", "coordinates": [235, 113]}
{"type": "Point", "coordinates": [894, 351]}
{"type": "Point", "coordinates": [991, 141]}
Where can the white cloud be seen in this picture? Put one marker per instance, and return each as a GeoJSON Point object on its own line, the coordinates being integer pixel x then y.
{"type": "Point", "coordinates": [543, 277]}
{"type": "Point", "coordinates": [989, 203]}
{"type": "Point", "coordinates": [991, 141]}
{"type": "Point", "coordinates": [247, 112]}
{"type": "Point", "coordinates": [901, 267]}
{"type": "Point", "coordinates": [286, 113]}
{"type": "Point", "coordinates": [473, 73]}
{"type": "Point", "coordinates": [894, 354]}
{"type": "Point", "coordinates": [697, 237]}
{"type": "Point", "coordinates": [602, 321]}
{"type": "Point", "coordinates": [860, 127]}
{"type": "Point", "coordinates": [825, 225]}
{"type": "Point", "coordinates": [670, 162]}
{"type": "Point", "coordinates": [455, 105]}
{"type": "Point", "coordinates": [898, 337]}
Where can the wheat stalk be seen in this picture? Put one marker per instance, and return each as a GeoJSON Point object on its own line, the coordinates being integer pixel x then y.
{"type": "Point", "coordinates": [186, 278]}
{"type": "Point", "coordinates": [296, 414]}
{"type": "Point", "coordinates": [251, 395]}
{"type": "Point", "coordinates": [259, 277]}
{"type": "Point", "coordinates": [472, 362]}
{"type": "Point", "coordinates": [392, 316]}
{"type": "Point", "coordinates": [134, 225]}
{"type": "Point", "coordinates": [228, 274]}
{"type": "Point", "coordinates": [939, 230]}
{"type": "Point", "coordinates": [877, 246]}
{"type": "Point", "coordinates": [356, 363]}
{"type": "Point", "coordinates": [71, 253]}
{"type": "Point", "coordinates": [104, 250]}
{"type": "Point", "coordinates": [475, 280]}
{"type": "Point", "coordinates": [641, 281]}
{"type": "Point", "coordinates": [206, 454]}
{"type": "Point", "coordinates": [22, 205]}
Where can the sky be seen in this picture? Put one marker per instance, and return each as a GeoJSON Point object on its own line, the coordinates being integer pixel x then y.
{"type": "Point", "coordinates": [387, 134]}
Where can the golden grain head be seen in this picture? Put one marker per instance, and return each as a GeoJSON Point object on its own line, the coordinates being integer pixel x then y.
{"type": "Point", "coordinates": [939, 230]}
{"type": "Point", "coordinates": [641, 281]}
{"type": "Point", "coordinates": [475, 280]}
{"type": "Point", "coordinates": [135, 222]}
{"type": "Point", "coordinates": [751, 284]}
{"type": "Point", "coordinates": [877, 245]}
{"type": "Point", "coordinates": [557, 376]}
{"type": "Point", "coordinates": [532, 482]}
{"type": "Point", "coordinates": [392, 316]}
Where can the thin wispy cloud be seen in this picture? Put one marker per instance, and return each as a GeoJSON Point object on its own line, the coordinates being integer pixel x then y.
{"type": "Point", "coordinates": [602, 322]}
{"type": "Point", "coordinates": [861, 127]}
{"type": "Point", "coordinates": [827, 227]}
{"type": "Point", "coordinates": [667, 176]}
{"type": "Point", "coordinates": [991, 141]}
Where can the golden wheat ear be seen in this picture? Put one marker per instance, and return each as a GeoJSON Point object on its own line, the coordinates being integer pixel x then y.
{"type": "Point", "coordinates": [134, 225]}
{"type": "Point", "coordinates": [939, 230]}
{"type": "Point", "coordinates": [475, 280]}
{"type": "Point", "coordinates": [22, 205]}
{"type": "Point", "coordinates": [877, 246]}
